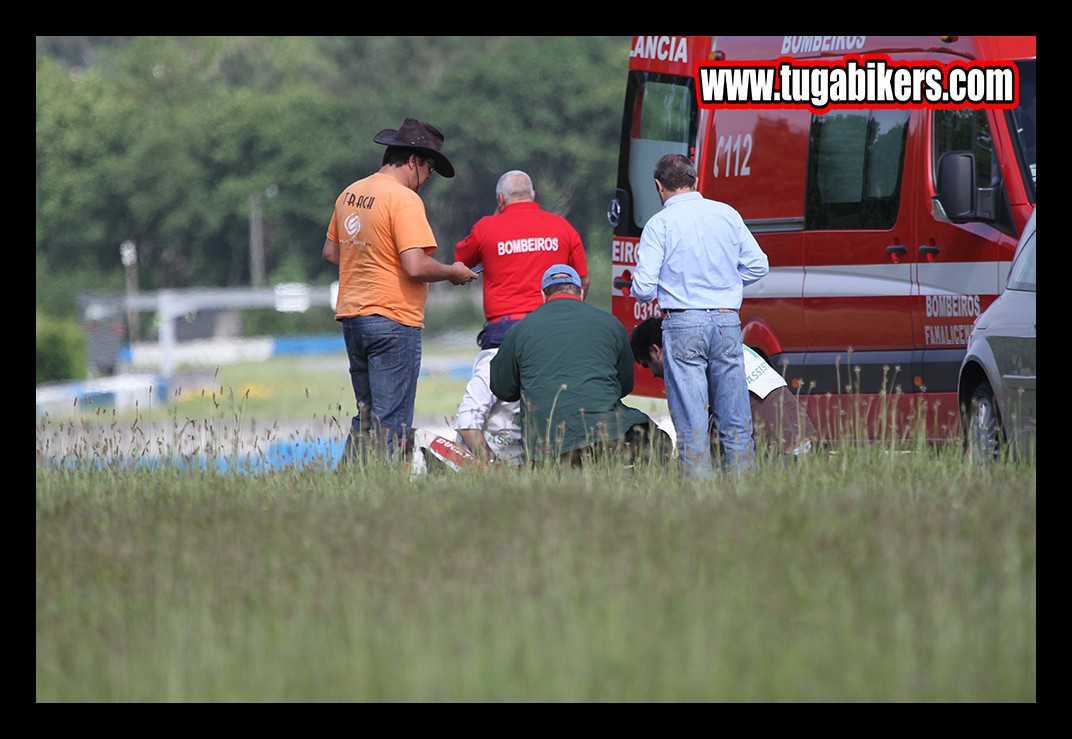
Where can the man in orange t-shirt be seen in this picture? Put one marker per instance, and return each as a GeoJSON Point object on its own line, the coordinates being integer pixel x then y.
{"type": "Point", "coordinates": [380, 240]}
{"type": "Point", "coordinates": [515, 246]}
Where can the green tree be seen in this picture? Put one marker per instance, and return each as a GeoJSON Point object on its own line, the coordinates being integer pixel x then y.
{"type": "Point", "coordinates": [548, 105]}
{"type": "Point", "coordinates": [166, 140]}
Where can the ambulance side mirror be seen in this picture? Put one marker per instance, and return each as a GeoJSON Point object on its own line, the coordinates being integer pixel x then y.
{"type": "Point", "coordinates": [955, 189]}
{"type": "Point", "coordinates": [620, 212]}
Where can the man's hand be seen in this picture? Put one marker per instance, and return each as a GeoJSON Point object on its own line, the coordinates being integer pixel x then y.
{"type": "Point", "coordinates": [477, 443]}
{"type": "Point", "coordinates": [460, 274]}
{"type": "Point", "coordinates": [420, 266]}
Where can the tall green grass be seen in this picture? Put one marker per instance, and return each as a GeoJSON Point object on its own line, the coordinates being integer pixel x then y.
{"type": "Point", "coordinates": [894, 571]}
{"type": "Point", "coordinates": [852, 575]}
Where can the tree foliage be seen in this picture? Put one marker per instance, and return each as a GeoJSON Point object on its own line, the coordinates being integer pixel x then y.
{"type": "Point", "coordinates": [166, 141]}
{"type": "Point", "coordinates": [61, 349]}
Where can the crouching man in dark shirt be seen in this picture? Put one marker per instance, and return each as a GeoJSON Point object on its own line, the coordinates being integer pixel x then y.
{"type": "Point", "coordinates": [569, 364]}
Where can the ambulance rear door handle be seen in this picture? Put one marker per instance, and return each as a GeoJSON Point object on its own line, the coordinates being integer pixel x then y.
{"type": "Point", "coordinates": [896, 252]}
{"type": "Point", "coordinates": [929, 251]}
{"type": "Point", "coordinates": [620, 283]}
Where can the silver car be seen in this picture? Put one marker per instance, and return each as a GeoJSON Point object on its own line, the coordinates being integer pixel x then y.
{"type": "Point", "coordinates": [997, 377]}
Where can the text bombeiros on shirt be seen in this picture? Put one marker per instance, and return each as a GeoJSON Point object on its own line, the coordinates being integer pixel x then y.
{"type": "Point", "coordinates": [520, 246]}
{"type": "Point", "coordinates": [857, 81]}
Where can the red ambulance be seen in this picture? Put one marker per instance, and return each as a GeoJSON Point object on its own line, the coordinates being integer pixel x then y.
{"type": "Point", "coordinates": [889, 227]}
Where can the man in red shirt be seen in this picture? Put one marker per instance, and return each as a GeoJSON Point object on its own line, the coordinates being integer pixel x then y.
{"type": "Point", "coordinates": [515, 246]}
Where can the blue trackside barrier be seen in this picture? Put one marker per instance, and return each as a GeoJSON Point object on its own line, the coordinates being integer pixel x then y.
{"type": "Point", "coordinates": [278, 455]}
{"type": "Point", "coordinates": [301, 345]}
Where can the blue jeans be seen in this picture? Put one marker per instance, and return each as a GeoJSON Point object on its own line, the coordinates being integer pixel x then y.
{"type": "Point", "coordinates": [703, 367]}
{"type": "Point", "coordinates": [491, 336]}
{"type": "Point", "coordinates": [385, 362]}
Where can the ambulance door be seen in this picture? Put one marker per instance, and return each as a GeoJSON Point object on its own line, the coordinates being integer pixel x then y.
{"type": "Point", "coordinates": [859, 253]}
{"type": "Point", "coordinates": [962, 266]}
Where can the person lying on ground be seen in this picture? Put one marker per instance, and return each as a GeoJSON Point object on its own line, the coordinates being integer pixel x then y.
{"type": "Point", "coordinates": [779, 420]}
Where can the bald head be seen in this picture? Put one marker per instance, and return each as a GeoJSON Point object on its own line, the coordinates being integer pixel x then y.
{"type": "Point", "coordinates": [514, 187]}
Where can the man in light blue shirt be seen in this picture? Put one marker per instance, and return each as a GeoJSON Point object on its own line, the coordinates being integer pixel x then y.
{"type": "Point", "coordinates": [695, 256]}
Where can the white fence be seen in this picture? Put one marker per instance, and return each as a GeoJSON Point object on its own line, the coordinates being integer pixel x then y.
{"type": "Point", "coordinates": [171, 305]}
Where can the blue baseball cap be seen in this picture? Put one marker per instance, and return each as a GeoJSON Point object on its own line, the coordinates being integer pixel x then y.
{"type": "Point", "coordinates": [560, 274]}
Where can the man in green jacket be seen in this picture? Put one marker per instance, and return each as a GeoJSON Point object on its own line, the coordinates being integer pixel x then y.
{"type": "Point", "coordinates": [570, 365]}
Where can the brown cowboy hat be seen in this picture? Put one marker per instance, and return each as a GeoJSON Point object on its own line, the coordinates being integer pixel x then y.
{"type": "Point", "coordinates": [416, 134]}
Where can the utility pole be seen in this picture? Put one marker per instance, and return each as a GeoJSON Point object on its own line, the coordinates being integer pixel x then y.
{"type": "Point", "coordinates": [256, 241]}
{"type": "Point", "coordinates": [128, 253]}
{"type": "Point", "coordinates": [256, 235]}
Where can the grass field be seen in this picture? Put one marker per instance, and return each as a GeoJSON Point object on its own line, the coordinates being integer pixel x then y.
{"type": "Point", "coordinates": [857, 574]}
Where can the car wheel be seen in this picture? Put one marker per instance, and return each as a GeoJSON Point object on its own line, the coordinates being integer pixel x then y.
{"type": "Point", "coordinates": [983, 426]}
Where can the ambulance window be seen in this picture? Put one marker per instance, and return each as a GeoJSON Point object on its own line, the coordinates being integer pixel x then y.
{"type": "Point", "coordinates": [855, 163]}
{"type": "Point", "coordinates": [967, 130]}
{"type": "Point", "coordinates": [1023, 123]}
{"type": "Point", "coordinates": [663, 122]}
{"type": "Point", "coordinates": [887, 151]}
{"type": "Point", "coordinates": [666, 112]}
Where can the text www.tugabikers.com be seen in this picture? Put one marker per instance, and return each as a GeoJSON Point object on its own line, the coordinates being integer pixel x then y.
{"type": "Point", "coordinates": [857, 81]}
